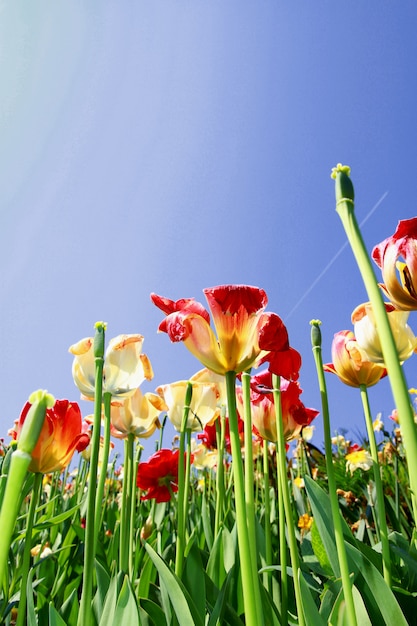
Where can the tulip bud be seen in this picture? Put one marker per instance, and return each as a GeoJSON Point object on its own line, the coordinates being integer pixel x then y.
{"type": "Point", "coordinates": [343, 187]}
{"type": "Point", "coordinates": [315, 333]}
{"type": "Point", "coordinates": [32, 427]}
{"type": "Point", "coordinates": [98, 346]}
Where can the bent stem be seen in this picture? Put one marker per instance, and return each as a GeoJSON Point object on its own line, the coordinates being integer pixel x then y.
{"type": "Point", "coordinates": [380, 505]}
{"type": "Point", "coordinates": [345, 210]}
{"type": "Point", "coordinates": [283, 485]}
{"type": "Point", "coordinates": [336, 515]}
{"type": "Point", "coordinates": [251, 592]}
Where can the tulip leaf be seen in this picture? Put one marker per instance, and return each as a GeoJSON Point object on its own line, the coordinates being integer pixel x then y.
{"type": "Point", "coordinates": [54, 617]}
{"type": "Point", "coordinates": [193, 579]}
{"type": "Point", "coordinates": [127, 611]}
{"type": "Point", "coordinates": [181, 601]}
{"type": "Point", "coordinates": [152, 610]}
{"type": "Point", "coordinates": [311, 612]}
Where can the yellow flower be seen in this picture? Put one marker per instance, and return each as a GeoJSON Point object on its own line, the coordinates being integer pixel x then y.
{"type": "Point", "coordinates": [203, 406]}
{"type": "Point", "coordinates": [125, 367]}
{"type": "Point", "coordinates": [137, 415]}
{"type": "Point", "coordinates": [305, 522]}
{"type": "Point", "coordinates": [358, 459]}
{"type": "Point", "coordinates": [299, 482]}
{"type": "Point", "coordinates": [367, 336]}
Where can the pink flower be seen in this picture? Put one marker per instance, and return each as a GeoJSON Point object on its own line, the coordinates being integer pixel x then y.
{"type": "Point", "coordinates": [400, 276]}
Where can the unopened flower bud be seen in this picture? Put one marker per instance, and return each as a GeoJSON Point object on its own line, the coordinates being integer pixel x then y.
{"type": "Point", "coordinates": [315, 333]}
{"type": "Point", "coordinates": [343, 184]}
{"type": "Point", "coordinates": [32, 427]}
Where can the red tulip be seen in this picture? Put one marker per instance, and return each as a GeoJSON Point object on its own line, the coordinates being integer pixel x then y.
{"type": "Point", "coordinates": [60, 436]}
{"type": "Point", "coordinates": [246, 335]}
{"type": "Point", "coordinates": [294, 414]}
{"type": "Point", "coordinates": [158, 476]}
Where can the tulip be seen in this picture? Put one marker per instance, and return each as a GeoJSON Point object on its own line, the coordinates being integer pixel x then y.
{"type": "Point", "coordinates": [203, 406]}
{"type": "Point", "coordinates": [158, 476]}
{"type": "Point", "coordinates": [137, 415]}
{"type": "Point", "coordinates": [125, 367]}
{"type": "Point", "coordinates": [294, 414]}
{"type": "Point", "coordinates": [351, 363]}
{"type": "Point", "coordinates": [367, 336]}
{"type": "Point", "coordinates": [400, 277]}
{"type": "Point", "coordinates": [60, 436]}
{"type": "Point", "coordinates": [246, 334]}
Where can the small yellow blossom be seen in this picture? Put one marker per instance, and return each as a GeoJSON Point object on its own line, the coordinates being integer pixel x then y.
{"type": "Point", "coordinates": [305, 522]}
{"type": "Point", "coordinates": [358, 459]}
{"type": "Point", "coordinates": [299, 482]}
{"type": "Point", "coordinates": [378, 424]}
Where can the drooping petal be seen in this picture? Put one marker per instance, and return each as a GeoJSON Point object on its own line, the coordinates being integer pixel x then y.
{"type": "Point", "coordinates": [83, 367]}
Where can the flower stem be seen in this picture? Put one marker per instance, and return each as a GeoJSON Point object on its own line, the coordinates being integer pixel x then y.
{"type": "Point", "coordinates": [251, 594]}
{"type": "Point", "coordinates": [220, 471]}
{"type": "Point", "coordinates": [334, 504]}
{"type": "Point", "coordinates": [267, 523]}
{"type": "Point", "coordinates": [283, 485]}
{"type": "Point", "coordinates": [126, 503]}
{"type": "Point", "coordinates": [34, 500]}
{"type": "Point", "coordinates": [103, 468]}
{"type": "Point", "coordinates": [179, 556]}
{"type": "Point", "coordinates": [85, 615]}
{"type": "Point", "coordinates": [380, 505]}
{"type": "Point", "coordinates": [345, 210]}
{"type": "Point", "coordinates": [249, 474]}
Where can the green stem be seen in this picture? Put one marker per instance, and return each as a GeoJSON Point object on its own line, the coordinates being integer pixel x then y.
{"type": "Point", "coordinates": [85, 617]}
{"type": "Point", "coordinates": [251, 594]}
{"type": "Point", "coordinates": [283, 485]}
{"type": "Point", "coordinates": [345, 210]}
{"type": "Point", "coordinates": [220, 471]}
{"type": "Point", "coordinates": [334, 503]}
{"type": "Point", "coordinates": [249, 475]}
{"type": "Point", "coordinates": [37, 484]}
{"type": "Point", "coordinates": [283, 556]}
{"type": "Point", "coordinates": [103, 468]}
{"type": "Point", "coordinates": [380, 504]}
{"type": "Point", "coordinates": [126, 504]}
{"type": "Point", "coordinates": [179, 556]}
{"type": "Point", "coordinates": [19, 464]}
{"type": "Point", "coordinates": [267, 522]}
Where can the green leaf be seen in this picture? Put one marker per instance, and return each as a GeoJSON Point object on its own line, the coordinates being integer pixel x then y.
{"type": "Point", "coordinates": [30, 606]}
{"type": "Point", "coordinates": [182, 604]}
{"type": "Point", "coordinates": [194, 579]}
{"type": "Point", "coordinates": [70, 608]}
{"type": "Point", "coordinates": [320, 504]}
{"type": "Point", "coordinates": [311, 612]}
{"type": "Point", "coordinates": [127, 611]}
{"type": "Point", "coordinates": [54, 617]}
{"type": "Point", "coordinates": [103, 584]}
{"type": "Point", "coordinates": [207, 525]}
{"type": "Point", "coordinates": [154, 611]}
{"type": "Point", "coordinates": [110, 603]}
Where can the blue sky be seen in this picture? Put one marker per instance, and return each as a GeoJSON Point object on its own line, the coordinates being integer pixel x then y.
{"type": "Point", "coordinates": [171, 146]}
